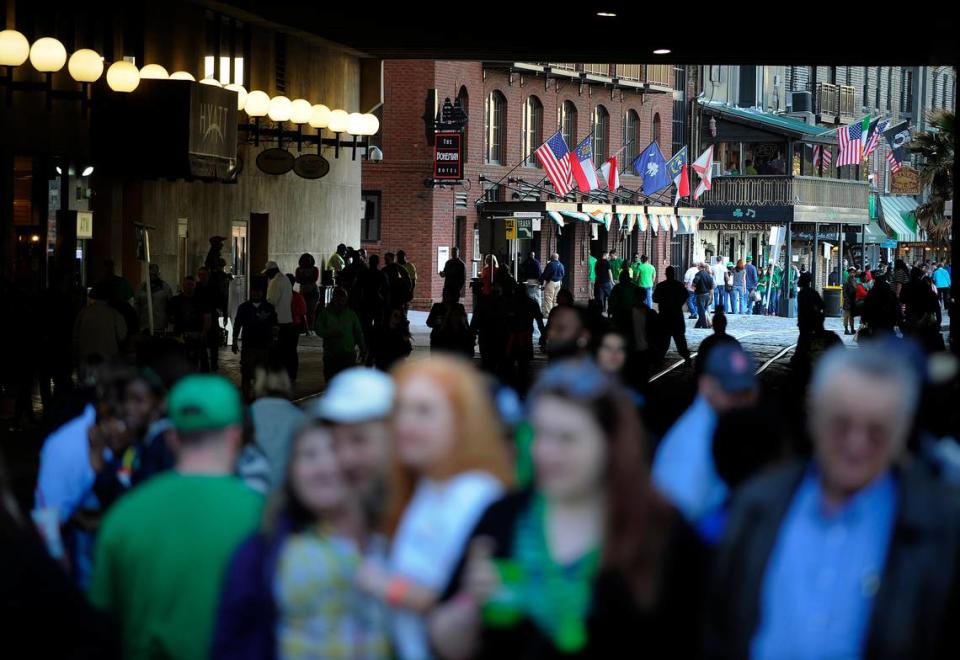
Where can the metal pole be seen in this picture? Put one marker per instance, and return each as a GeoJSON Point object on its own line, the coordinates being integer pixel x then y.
{"type": "Point", "coordinates": [146, 250]}
{"type": "Point", "coordinates": [787, 275]}
{"type": "Point", "coordinates": [840, 260]}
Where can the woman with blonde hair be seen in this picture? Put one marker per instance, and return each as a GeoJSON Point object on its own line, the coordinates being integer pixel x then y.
{"type": "Point", "coordinates": [450, 463]}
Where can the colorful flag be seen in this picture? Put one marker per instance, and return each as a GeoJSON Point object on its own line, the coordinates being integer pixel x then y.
{"type": "Point", "coordinates": [876, 130]}
{"type": "Point", "coordinates": [652, 166]}
{"type": "Point", "coordinates": [703, 166]}
{"type": "Point", "coordinates": [552, 155]}
{"type": "Point", "coordinates": [677, 166]}
{"type": "Point", "coordinates": [817, 155]}
{"type": "Point", "coordinates": [683, 184]}
{"type": "Point", "coordinates": [611, 174]}
{"type": "Point", "coordinates": [898, 137]}
{"type": "Point", "coordinates": [581, 164]}
{"type": "Point", "coordinates": [851, 142]}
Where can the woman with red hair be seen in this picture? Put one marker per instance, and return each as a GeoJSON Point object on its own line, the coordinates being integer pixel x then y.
{"type": "Point", "coordinates": [591, 562]}
{"type": "Point", "coordinates": [450, 463]}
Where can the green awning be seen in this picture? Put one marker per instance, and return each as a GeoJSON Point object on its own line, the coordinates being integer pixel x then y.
{"type": "Point", "coordinates": [898, 213]}
{"type": "Point", "coordinates": [784, 125]}
{"type": "Point", "coordinates": [873, 233]}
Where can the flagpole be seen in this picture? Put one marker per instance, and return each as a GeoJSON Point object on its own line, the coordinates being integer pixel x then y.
{"type": "Point", "coordinates": [512, 170]}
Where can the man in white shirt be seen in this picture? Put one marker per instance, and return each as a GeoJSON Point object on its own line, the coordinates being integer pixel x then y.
{"type": "Point", "coordinates": [280, 295]}
{"type": "Point", "coordinates": [719, 270]}
{"type": "Point", "coordinates": [691, 296]}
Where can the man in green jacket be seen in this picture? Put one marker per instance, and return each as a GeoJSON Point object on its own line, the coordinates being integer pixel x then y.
{"type": "Point", "coordinates": [342, 335]}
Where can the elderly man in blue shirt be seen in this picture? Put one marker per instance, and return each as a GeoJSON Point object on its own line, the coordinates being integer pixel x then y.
{"type": "Point", "coordinates": [854, 554]}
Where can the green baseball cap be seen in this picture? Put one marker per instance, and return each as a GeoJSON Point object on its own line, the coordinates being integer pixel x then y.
{"type": "Point", "coordinates": [749, 258]}
{"type": "Point", "coordinates": [204, 403]}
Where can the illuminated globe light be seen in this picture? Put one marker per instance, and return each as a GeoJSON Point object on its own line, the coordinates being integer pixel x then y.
{"type": "Point", "coordinates": [47, 55]}
{"type": "Point", "coordinates": [181, 75]}
{"type": "Point", "coordinates": [14, 48]}
{"type": "Point", "coordinates": [319, 116]}
{"type": "Point", "coordinates": [355, 123]}
{"type": "Point", "coordinates": [257, 104]}
{"type": "Point", "coordinates": [300, 111]}
{"type": "Point", "coordinates": [370, 124]}
{"type": "Point", "coordinates": [338, 121]}
{"type": "Point", "coordinates": [241, 94]}
{"type": "Point", "coordinates": [85, 66]}
{"type": "Point", "coordinates": [279, 108]}
{"type": "Point", "coordinates": [153, 72]}
{"type": "Point", "coordinates": [213, 82]}
{"type": "Point", "coordinates": [123, 76]}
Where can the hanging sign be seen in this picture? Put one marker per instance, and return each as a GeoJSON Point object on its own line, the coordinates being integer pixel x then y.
{"type": "Point", "coordinates": [448, 156]}
{"type": "Point", "coordinates": [84, 224]}
{"type": "Point", "coordinates": [275, 161]}
{"type": "Point", "coordinates": [311, 166]}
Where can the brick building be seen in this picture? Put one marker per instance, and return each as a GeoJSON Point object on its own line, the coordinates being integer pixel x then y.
{"type": "Point", "coordinates": [512, 109]}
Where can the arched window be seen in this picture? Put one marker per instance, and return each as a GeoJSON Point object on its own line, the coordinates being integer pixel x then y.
{"type": "Point", "coordinates": [656, 129]}
{"type": "Point", "coordinates": [568, 123]}
{"type": "Point", "coordinates": [601, 135]}
{"type": "Point", "coordinates": [631, 124]}
{"type": "Point", "coordinates": [464, 99]}
{"type": "Point", "coordinates": [495, 116]}
{"type": "Point", "coordinates": [532, 130]}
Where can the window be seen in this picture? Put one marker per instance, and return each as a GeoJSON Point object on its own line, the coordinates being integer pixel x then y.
{"type": "Point", "coordinates": [833, 75]}
{"type": "Point", "coordinates": [568, 123]}
{"type": "Point", "coordinates": [631, 122]}
{"type": "Point", "coordinates": [464, 99]}
{"type": "Point", "coordinates": [494, 116]}
{"type": "Point", "coordinates": [866, 85]}
{"type": "Point", "coordinates": [876, 102]}
{"type": "Point", "coordinates": [227, 46]}
{"type": "Point", "coordinates": [889, 89]}
{"type": "Point", "coordinates": [370, 223]}
{"type": "Point", "coordinates": [532, 130]}
{"type": "Point", "coordinates": [656, 129]}
{"type": "Point", "coordinates": [601, 135]}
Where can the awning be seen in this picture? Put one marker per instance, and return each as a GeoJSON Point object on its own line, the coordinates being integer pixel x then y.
{"type": "Point", "coordinates": [780, 124]}
{"type": "Point", "coordinates": [873, 233]}
{"type": "Point", "coordinates": [898, 214]}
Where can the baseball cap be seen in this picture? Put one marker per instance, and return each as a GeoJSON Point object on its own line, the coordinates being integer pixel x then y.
{"type": "Point", "coordinates": [732, 367]}
{"type": "Point", "coordinates": [204, 402]}
{"type": "Point", "coordinates": [271, 265]}
{"type": "Point", "coordinates": [749, 258]}
{"type": "Point", "coordinates": [729, 264]}
{"type": "Point", "coordinates": [355, 396]}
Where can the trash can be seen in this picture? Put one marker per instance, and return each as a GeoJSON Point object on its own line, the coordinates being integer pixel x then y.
{"type": "Point", "coordinates": [475, 287]}
{"type": "Point", "coordinates": [832, 303]}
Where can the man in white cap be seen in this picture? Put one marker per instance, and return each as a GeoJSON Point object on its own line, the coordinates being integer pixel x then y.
{"type": "Point", "coordinates": [280, 295]}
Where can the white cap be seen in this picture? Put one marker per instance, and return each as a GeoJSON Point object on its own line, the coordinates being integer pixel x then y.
{"type": "Point", "coordinates": [355, 396]}
{"type": "Point", "coordinates": [271, 265]}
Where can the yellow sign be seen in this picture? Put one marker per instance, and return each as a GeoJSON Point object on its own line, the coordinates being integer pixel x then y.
{"type": "Point", "coordinates": [511, 226]}
{"type": "Point", "coordinates": [84, 224]}
{"type": "Point", "coordinates": [905, 182]}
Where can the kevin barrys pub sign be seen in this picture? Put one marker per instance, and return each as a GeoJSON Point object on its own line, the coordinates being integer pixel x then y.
{"type": "Point", "coordinates": [448, 156]}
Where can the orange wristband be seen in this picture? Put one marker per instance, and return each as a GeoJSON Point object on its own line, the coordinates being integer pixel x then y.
{"type": "Point", "coordinates": [396, 591]}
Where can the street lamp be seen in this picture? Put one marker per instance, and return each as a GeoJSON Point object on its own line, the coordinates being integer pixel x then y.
{"type": "Point", "coordinates": [153, 72]}
{"type": "Point", "coordinates": [14, 48]}
{"type": "Point", "coordinates": [47, 55]}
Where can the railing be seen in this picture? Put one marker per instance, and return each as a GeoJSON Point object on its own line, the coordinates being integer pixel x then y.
{"type": "Point", "coordinates": [827, 102]}
{"type": "Point", "coordinates": [848, 100]}
{"type": "Point", "coordinates": [630, 71]}
{"type": "Point", "coordinates": [567, 66]}
{"type": "Point", "coordinates": [597, 69]}
{"type": "Point", "coordinates": [787, 191]}
{"type": "Point", "coordinates": [659, 74]}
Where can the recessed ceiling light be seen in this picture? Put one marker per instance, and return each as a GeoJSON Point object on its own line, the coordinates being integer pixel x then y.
{"type": "Point", "coordinates": [606, 14]}
{"type": "Point", "coordinates": [662, 51]}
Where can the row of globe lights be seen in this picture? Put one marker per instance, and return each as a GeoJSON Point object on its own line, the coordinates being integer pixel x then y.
{"type": "Point", "coordinates": [48, 55]}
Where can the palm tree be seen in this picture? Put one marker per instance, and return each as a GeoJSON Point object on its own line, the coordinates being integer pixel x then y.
{"type": "Point", "coordinates": [935, 148]}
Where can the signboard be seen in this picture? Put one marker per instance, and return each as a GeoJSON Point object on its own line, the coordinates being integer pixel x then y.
{"type": "Point", "coordinates": [84, 224]}
{"type": "Point", "coordinates": [524, 228]}
{"type": "Point", "coordinates": [748, 214]}
{"type": "Point", "coordinates": [732, 226]}
{"type": "Point", "coordinates": [311, 166]}
{"type": "Point", "coordinates": [448, 156]}
{"type": "Point", "coordinates": [510, 224]}
{"type": "Point", "coordinates": [889, 244]}
{"type": "Point", "coordinates": [275, 161]}
{"type": "Point", "coordinates": [905, 182]}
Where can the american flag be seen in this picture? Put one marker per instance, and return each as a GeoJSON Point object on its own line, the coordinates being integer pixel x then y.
{"type": "Point", "coordinates": [895, 165]}
{"type": "Point", "coordinates": [874, 140]}
{"type": "Point", "coordinates": [819, 152]}
{"type": "Point", "coordinates": [851, 144]}
{"type": "Point", "coordinates": [552, 155]}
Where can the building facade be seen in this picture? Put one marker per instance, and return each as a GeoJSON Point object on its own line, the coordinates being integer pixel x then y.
{"type": "Point", "coordinates": [511, 108]}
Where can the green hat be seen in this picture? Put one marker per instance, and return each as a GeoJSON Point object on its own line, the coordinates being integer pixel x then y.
{"type": "Point", "coordinates": [749, 258]}
{"type": "Point", "coordinates": [204, 403]}
{"type": "Point", "coordinates": [729, 264]}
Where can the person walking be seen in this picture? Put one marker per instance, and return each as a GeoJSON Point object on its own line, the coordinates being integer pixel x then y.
{"type": "Point", "coordinates": [740, 301]}
{"type": "Point", "coordinates": [339, 327]}
{"type": "Point", "coordinates": [454, 275]}
{"type": "Point", "coordinates": [163, 597]}
{"type": "Point", "coordinates": [530, 269]}
{"type": "Point", "coordinates": [398, 283]}
{"type": "Point", "coordinates": [210, 299]}
{"type": "Point", "coordinates": [100, 330]}
{"type": "Point", "coordinates": [450, 330]}
{"type": "Point", "coordinates": [703, 286]}
{"type": "Point", "coordinates": [882, 313]}
{"type": "Point", "coordinates": [411, 271]}
{"type": "Point", "coordinates": [308, 277]}
{"type": "Point", "coordinates": [605, 281]}
{"type": "Point", "coordinates": [552, 279]}
{"type": "Point", "coordinates": [487, 274]}
{"type": "Point", "coordinates": [616, 265]}
{"type": "Point", "coordinates": [751, 281]}
{"type": "Point", "coordinates": [192, 321]}
{"type": "Point", "coordinates": [691, 293]}
{"type": "Point", "coordinates": [254, 329]}
{"type": "Point", "coordinates": [280, 295]}
{"type": "Point", "coordinates": [522, 314]}
{"type": "Point", "coordinates": [921, 312]}
{"type": "Point", "coordinates": [669, 295]}
{"type": "Point", "coordinates": [828, 557]}
{"type": "Point", "coordinates": [941, 279]}
{"type": "Point", "coordinates": [719, 273]}
{"type": "Point", "coordinates": [850, 302]}
{"type": "Point", "coordinates": [161, 294]}
{"type": "Point", "coordinates": [645, 275]}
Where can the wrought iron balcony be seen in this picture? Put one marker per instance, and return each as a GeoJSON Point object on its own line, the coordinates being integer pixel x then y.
{"type": "Point", "coordinates": [797, 191]}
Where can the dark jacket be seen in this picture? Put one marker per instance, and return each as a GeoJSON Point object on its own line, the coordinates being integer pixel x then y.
{"type": "Point", "coordinates": [530, 270]}
{"type": "Point", "coordinates": [914, 614]}
{"type": "Point", "coordinates": [615, 622]}
{"type": "Point", "coordinates": [670, 297]}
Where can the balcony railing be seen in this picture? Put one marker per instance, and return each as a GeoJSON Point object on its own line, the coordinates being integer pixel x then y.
{"type": "Point", "coordinates": [659, 74]}
{"type": "Point", "coordinates": [787, 191]}
{"type": "Point", "coordinates": [827, 102]}
{"type": "Point", "coordinates": [597, 69]}
{"type": "Point", "coordinates": [848, 101]}
{"type": "Point", "coordinates": [567, 66]}
{"type": "Point", "coordinates": [630, 72]}
{"type": "Point", "coordinates": [653, 74]}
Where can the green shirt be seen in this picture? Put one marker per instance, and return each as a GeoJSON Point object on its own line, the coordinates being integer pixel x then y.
{"type": "Point", "coordinates": [593, 265]}
{"type": "Point", "coordinates": [340, 329]}
{"type": "Point", "coordinates": [616, 265]}
{"type": "Point", "coordinates": [645, 274]}
{"type": "Point", "coordinates": [161, 557]}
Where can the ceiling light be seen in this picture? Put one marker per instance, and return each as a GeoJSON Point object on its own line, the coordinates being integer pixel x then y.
{"type": "Point", "coordinates": [320, 116]}
{"type": "Point", "coordinates": [606, 14]}
{"type": "Point", "coordinates": [85, 66]}
{"type": "Point", "coordinates": [213, 82]}
{"type": "Point", "coordinates": [279, 109]}
{"type": "Point", "coordinates": [662, 51]}
{"type": "Point", "coordinates": [338, 121]}
{"type": "Point", "coordinates": [47, 55]}
{"type": "Point", "coordinates": [257, 104]}
{"type": "Point", "coordinates": [153, 72]}
{"type": "Point", "coordinates": [14, 48]}
{"type": "Point", "coordinates": [88, 170]}
{"type": "Point", "coordinates": [300, 111]}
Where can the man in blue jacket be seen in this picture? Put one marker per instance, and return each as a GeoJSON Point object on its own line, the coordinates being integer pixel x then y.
{"type": "Point", "coordinates": [752, 279]}
{"type": "Point", "coordinates": [552, 281]}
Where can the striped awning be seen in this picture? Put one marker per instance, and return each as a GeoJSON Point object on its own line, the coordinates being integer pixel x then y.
{"type": "Point", "coordinates": [898, 213]}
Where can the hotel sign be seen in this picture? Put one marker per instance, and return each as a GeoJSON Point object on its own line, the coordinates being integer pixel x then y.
{"type": "Point", "coordinates": [448, 156]}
